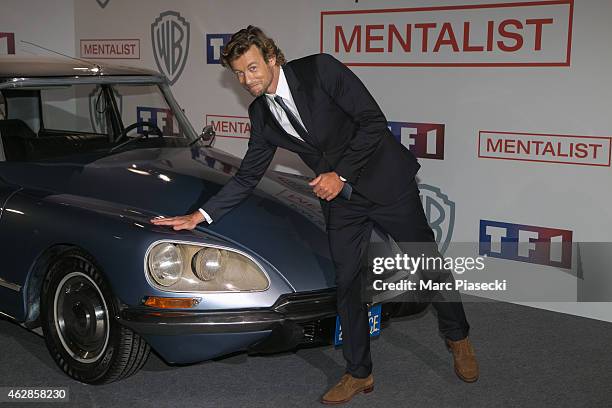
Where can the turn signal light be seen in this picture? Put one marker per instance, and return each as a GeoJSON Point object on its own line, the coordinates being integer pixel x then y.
{"type": "Point", "coordinates": [171, 303]}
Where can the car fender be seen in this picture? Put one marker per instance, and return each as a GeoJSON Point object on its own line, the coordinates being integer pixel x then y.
{"type": "Point", "coordinates": [37, 227]}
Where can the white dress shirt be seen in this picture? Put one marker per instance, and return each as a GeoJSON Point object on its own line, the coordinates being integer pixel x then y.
{"type": "Point", "coordinates": [282, 90]}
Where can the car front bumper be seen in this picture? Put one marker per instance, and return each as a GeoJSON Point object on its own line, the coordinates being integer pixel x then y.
{"type": "Point", "coordinates": [296, 319]}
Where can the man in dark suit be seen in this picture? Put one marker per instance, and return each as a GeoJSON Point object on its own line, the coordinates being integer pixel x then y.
{"type": "Point", "coordinates": [318, 108]}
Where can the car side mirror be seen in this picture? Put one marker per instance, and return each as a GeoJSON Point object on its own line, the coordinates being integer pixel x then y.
{"type": "Point", "coordinates": [208, 135]}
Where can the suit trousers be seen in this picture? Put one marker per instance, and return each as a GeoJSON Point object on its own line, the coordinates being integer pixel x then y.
{"type": "Point", "coordinates": [350, 226]}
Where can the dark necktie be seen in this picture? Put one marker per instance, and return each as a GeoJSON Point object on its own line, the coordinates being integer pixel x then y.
{"type": "Point", "coordinates": [292, 119]}
{"type": "Point", "coordinates": [347, 189]}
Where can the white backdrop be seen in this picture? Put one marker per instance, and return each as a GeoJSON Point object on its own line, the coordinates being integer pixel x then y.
{"type": "Point", "coordinates": [50, 24]}
{"type": "Point", "coordinates": [559, 86]}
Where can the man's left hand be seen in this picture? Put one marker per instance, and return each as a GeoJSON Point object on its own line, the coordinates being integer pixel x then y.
{"type": "Point", "coordinates": [327, 185]}
{"type": "Point", "coordinates": [183, 222]}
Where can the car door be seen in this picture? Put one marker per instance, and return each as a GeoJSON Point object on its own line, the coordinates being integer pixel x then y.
{"type": "Point", "coordinates": [9, 291]}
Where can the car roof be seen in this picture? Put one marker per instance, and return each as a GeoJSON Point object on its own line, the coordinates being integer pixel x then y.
{"type": "Point", "coordinates": [12, 66]}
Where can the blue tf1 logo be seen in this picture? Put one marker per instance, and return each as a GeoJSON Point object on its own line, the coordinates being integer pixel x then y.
{"type": "Point", "coordinates": [526, 243]}
{"type": "Point", "coordinates": [160, 117]}
{"type": "Point", "coordinates": [424, 140]}
{"type": "Point", "coordinates": [214, 46]}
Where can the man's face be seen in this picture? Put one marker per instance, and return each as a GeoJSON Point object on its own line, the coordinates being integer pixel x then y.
{"type": "Point", "coordinates": [254, 73]}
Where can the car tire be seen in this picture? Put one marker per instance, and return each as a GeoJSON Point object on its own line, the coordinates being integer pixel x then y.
{"type": "Point", "coordinates": [78, 313]}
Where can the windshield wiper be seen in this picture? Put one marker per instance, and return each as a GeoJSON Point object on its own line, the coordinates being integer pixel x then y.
{"type": "Point", "coordinates": [119, 146]}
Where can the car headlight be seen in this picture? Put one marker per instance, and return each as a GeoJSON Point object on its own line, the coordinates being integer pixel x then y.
{"type": "Point", "coordinates": [166, 264]}
{"type": "Point", "coordinates": [208, 263]}
{"type": "Point", "coordinates": [213, 269]}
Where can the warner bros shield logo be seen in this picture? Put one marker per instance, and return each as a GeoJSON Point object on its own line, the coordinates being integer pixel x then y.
{"type": "Point", "coordinates": [440, 213]}
{"type": "Point", "coordinates": [170, 40]}
{"type": "Point", "coordinates": [102, 3]}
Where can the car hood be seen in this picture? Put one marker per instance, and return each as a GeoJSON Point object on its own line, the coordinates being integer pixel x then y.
{"type": "Point", "coordinates": [281, 222]}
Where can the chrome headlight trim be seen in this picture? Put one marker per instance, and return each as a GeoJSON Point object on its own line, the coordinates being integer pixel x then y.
{"type": "Point", "coordinates": [202, 245]}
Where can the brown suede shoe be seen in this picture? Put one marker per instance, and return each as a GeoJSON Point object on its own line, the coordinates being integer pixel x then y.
{"type": "Point", "coordinates": [466, 366]}
{"type": "Point", "coordinates": [347, 388]}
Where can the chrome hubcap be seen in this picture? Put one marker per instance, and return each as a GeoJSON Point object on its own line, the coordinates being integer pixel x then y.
{"type": "Point", "coordinates": [81, 317]}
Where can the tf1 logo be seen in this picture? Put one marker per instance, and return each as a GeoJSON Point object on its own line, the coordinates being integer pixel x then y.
{"type": "Point", "coordinates": [214, 46]}
{"type": "Point", "coordinates": [160, 117]}
{"type": "Point", "coordinates": [526, 243]}
{"type": "Point", "coordinates": [424, 140]}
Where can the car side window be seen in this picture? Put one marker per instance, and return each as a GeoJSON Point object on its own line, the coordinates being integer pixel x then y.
{"type": "Point", "coordinates": [2, 107]}
{"type": "Point", "coordinates": [53, 121]}
{"type": "Point", "coordinates": [2, 117]}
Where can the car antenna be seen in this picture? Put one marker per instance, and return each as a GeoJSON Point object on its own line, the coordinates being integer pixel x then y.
{"type": "Point", "coordinates": [63, 55]}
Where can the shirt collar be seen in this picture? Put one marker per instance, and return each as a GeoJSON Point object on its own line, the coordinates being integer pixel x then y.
{"type": "Point", "coordinates": [282, 88]}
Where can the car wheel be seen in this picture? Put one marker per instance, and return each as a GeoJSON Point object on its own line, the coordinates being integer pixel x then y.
{"type": "Point", "coordinates": [78, 313]}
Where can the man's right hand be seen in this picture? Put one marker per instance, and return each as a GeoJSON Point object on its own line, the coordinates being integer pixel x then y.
{"type": "Point", "coordinates": [327, 186]}
{"type": "Point", "coordinates": [187, 222]}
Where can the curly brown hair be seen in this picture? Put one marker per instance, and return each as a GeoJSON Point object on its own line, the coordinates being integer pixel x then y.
{"type": "Point", "coordinates": [242, 40]}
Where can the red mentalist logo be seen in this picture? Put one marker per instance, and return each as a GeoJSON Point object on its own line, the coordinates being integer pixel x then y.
{"type": "Point", "coordinates": [537, 33]}
{"type": "Point", "coordinates": [237, 127]}
{"type": "Point", "coordinates": [110, 49]}
{"type": "Point", "coordinates": [535, 147]}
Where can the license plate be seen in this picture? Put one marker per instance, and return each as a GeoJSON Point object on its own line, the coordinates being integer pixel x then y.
{"type": "Point", "coordinates": [373, 317]}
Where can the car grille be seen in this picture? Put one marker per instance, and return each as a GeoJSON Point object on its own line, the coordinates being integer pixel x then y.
{"type": "Point", "coordinates": [316, 302]}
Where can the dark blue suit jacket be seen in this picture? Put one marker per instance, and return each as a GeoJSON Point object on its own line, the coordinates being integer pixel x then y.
{"type": "Point", "coordinates": [347, 133]}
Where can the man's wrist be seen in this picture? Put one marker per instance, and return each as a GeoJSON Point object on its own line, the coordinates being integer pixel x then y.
{"type": "Point", "coordinates": [205, 216]}
{"type": "Point", "coordinates": [343, 179]}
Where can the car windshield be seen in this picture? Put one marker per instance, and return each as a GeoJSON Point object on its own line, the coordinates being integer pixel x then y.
{"type": "Point", "coordinates": [46, 122]}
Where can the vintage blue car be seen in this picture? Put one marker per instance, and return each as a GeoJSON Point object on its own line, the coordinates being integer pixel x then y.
{"type": "Point", "coordinates": [88, 155]}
